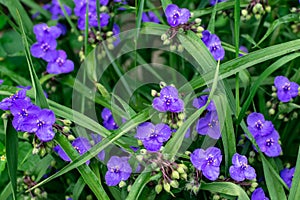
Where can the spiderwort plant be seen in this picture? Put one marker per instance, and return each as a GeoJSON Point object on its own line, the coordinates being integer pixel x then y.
{"type": "Point", "coordinates": [286, 90]}
{"type": "Point", "coordinates": [118, 170]}
{"type": "Point", "coordinates": [240, 170]}
{"type": "Point", "coordinates": [176, 16]}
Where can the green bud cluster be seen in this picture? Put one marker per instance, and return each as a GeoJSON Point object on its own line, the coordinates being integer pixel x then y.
{"type": "Point", "coordinates": [256, 9]}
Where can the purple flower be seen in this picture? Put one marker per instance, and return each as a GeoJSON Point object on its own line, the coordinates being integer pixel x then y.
{"type": "Point", "coordinates": [269, 144]}
{"type": "Point", "coordinates": [244, 49]}
{"type": "Point", "coordinates": [259, 194]}
{"type": "Point", "coordinates": [6, 103]}
{"type": "Point", "coordinates": [153, 136]}
{"type": "Point", "coordinates": [202, 100]}
{"type": "Point", "coordinates": [286, 90]}
{"type": "Point", "coordinates": [60, 64]}
{"type": "Point", "coordinates": [1, 81]}
{"type": "Point", "coordinates": [108, 120]}
{"type": "Point", "coordinates": [168, 101]}
{"type": "Point", "coordinates": [208, 161]}
{"type": "Point", "coordinates": [44, 32]}
{"type": "Point", "coordinates": [177, 16]}
{"type": "Point", "coordinates": [213, 2]}
{"type": "Point", "coordinates": [240, 170]}
{"type": "Point", "coordinates": [150, 17]}
{"type": "Point", "coordinates": [258, 126]}
{"type": "Point", "coordinates": [118, 170]}
{"type": "Point", "coordinates": [97, 138]}
{"type": "Point", "coordinates": [104, 2]}
{"type": "Point", "coordinates": [287, 175]}
{"type": "Point", "coordinates": [209, 125]}
{"type": "Point", "coordinates": [62, 154]}
{"type": "Point", "coordinates": [81, 144]}
{"type": "Point", "coordinates": [24, 87]}
{"type": "Point", "coordinates": [62, 28]}
{"type": "Point", "coordinates": [213, 43]}
{"type": "Point", "coordinates": [41, 124]}
{"type": "Point", "coordinates": [55, 9]}
{"type": "Point", "coordinates": [21, 109]}
{"type": "Point", "coordinates": [44, 49]}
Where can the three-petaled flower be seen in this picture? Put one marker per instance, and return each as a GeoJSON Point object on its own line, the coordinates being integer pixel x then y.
{"type": "Point", "coordinates": [257, 125]}
{"type": "Point", "coordinates": [208, 161]}
{"type": "Point", "coordinates": [168, 100]}
{"type": "Point", "coordinates": [118, 170]}
{"type": "Point", "coordinates": [286, 90]}
{"type": "Point", "coordinates": [287, 175]}
{"type": "Point", "coordinates": [60, 64]}
{"type": "Point", "coordinates": [213, 43]}
{"type": "Point", "coordinates": [240, 170]}
{"type": "Point", "coordinates": [209, 125]}
{"type": "Point", "coordinates": [108, 120]}
{"type": "Point", "coordinates": [176, 16]}
{"type": "Point", "coordinates": [258, 194]}
{"type": "Point", "coordinates": [153, 136]}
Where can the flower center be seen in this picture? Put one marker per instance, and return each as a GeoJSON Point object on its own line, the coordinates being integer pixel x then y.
{"type": "Point", "coordinates": [214, 47]}
{"type": "Point", "coordinates": [40, 123]}
{"type": "Point", "coordinates": [115, 170]}
{"type": "Point", "coordinates": [176, 15]}
{"type": "Point", "coordinates": [259, 125]}
{"type": "Point", "coordinates": [286, 87]}
{"type": "Point", "coordinates": [213, 123]}
{"type": "Point", "coordinates": [243, 166]}
{"type": "Point", "coordinates": [168, 100]}
{"type": "Point", "coordinates": [210, 159]}
{"type": "Point", "coordinates": [269, 142]}
{"type": "Point", "coordinates": [23, 113]}
{"type": "Point", "coordinates": [46, 29]}
{"type": "Point", "coordinates": [45, 46]}
{"type": "Point", "coordinates": [60, 61]}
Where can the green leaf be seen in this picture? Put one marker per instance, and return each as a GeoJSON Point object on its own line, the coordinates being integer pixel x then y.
{"type": "Point", "coordinates": [40, 98]}
{"type": "Point", "coordinates": [139, 184]}
{"type": "Point", "coordinates": [285, 19]}
{"type": "Point", "coordinates": [79, 186]}
{"type": "Point", "coordinates": [38, 8]}
{"type": "Point", "coordinates": [6, 192]}
{"type": "Point", "coordinates": [211, 24]}
{"type": "Point", "coordinates": [295, 192]}
{"type": "Point", "coordinates": [14, 76]}
{"type": "Point", "coordinates": [225, 188]}
{"type": "Point", "coordinates": [139, 12]}
{"type": "Point", "coordinates": [276, 190]}
{"type": "Point", "coordinates": [272, 68]}
{"type": "Point", "coordinates": [11, 144]}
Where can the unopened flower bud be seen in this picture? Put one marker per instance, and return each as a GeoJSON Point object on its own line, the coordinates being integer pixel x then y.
{"type": "Point", "coordinates": [280, 116]}
{"type": "Point", "coordinates": [66, 129]}
{"type": "Point", "coordinates": [271, 111]}
{"type": "Point", "coordinates": [25, 135]}
{"type": "Point", "coordinates": [257, 16]}
{"type": "Point", "coordinates": [158, 188]}
{"type": "Point", "coordinates": [122, 184]}
{"type": "Point", "coordinates": [295, 115]}
{"type": "Point", "coordinates": [216, 197]}
{"type": "Point", "coordinates": [274, 94]}
{"type": "Point", "coordinates": [244, 12]}
{"type": "Point", "coordinates": [167, 186]}
{"type": "Point", "coordinates": [109, 33]}
{"type": "Point", "coordinates": [180, 170]}
{"type": "Point", "coordinates": [172, 47]}
{"type": "Point", "coordinates": [166, 42]}
{"type": "Point", "coordinates": [179, 123]}
{"type": "Point", "coordinates": [140, 143]}
{"type": "Point", "coordinates": [67, 122]}
{"type": "Point", "coordinates": [268, 9]}
{"type": "Point", "coordinates": [153, 165]}
{"type": "Point", "coordinates": [183, 176]}
{"type": "Point", "coordinates": [181, 116]}
{"type": "Point", "coordinates": [200, 29]}
{"type": "Point", "coordinates": [143, 151]}
{"type": "Point", "coordinates": [269, 104]}
{"type": "Point", "coordinates": [110, 46]}
{"type": "Point", "coordinates": [80, 38]}
{"type": "Point", "coordinates": [37, 191]}
{"type": "Point", "coordinates": [35, 151]}
{"type": "Point", "coordinates": [175, 175]}
{"type": "Point", "coordinates": [254, 185]}
{"type": "Point", "coordinates": [198, 21]}
{"type": "Point", "coordinates": [286, 119]}
{"type": "Point", "coordinates": [251, 189]}
{"type": "Point", "coordinates": [140, 158]}
{"type": "Point", "coordinates": [274, 88]}
{"type": "Point", "coordinates": [164, 37]}
{"type": "Point", "coordinates": [71, 137]}
{"type": "Point", "coordinates": [187, 153]}
{"type": "Point", "coordinates": [153, 93]}
{"type": "Point", "coordinates": [174, 184]}
{"type": "Point", "coordinates": [180, 48]}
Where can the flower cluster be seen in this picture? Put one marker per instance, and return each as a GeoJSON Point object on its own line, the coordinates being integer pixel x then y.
{"type": "Point", "coordinates": [287, 175]}
{"type": "Point", "coordinates": [45, 48]}
{"type": "Point", "coordinates": [29, 117]}
{"type": "Point", "coordinates": [208, 161]}
{"type": "Point", "coordinates": [267, 138]}
{"type": "Point", "coordinates": [80, 12]}
{"type": "Point", "coordinates": [176, 16]}
{"type": "Point", "coordinates": [286, 90]}
{"type": "Point", "coordinates": [118, 170]}
{"type": "Point", "coordinates": [153, 136]}
{"type": "Point", "coordinates": [213, 43]}
{"type": "Point", "coordinates": [240, 170]}
{"type": "Point", "coordinates": [55, 9]}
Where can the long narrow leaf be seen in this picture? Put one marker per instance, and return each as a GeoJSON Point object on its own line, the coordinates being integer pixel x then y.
{"type": "Point", "coordinates": [295, 192]}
